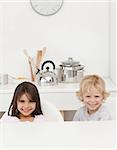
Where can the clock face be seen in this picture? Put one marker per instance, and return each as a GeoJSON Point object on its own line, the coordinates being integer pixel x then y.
{"type": "Point", "coordinates": [46, 7]}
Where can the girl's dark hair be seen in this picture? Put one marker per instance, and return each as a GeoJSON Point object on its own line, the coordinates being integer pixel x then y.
{"type": "Point", "coordinates": [29, 89]}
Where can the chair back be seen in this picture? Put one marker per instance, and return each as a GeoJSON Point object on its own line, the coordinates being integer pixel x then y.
{"type": "Point", "coordinates": [50, 111]}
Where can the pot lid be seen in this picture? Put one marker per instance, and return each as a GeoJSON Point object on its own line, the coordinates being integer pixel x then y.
{"type": "Point", "coordinates": [70, 63]}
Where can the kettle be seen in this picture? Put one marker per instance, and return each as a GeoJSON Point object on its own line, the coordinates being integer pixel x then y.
{"type": "Point", "coordinates": [45, 76]}
{"type": "Point", "coordinates": [70, 71]}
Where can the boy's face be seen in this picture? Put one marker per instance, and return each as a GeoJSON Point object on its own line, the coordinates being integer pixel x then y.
{"type": "Point", "coordinates": [25, 105]}
{"type": "Point", "coordinates": [92, 100]}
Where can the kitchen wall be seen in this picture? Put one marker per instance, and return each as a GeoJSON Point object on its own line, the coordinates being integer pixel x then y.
{"type": "Point", "coordinates": [81, 29]}
{"type": "Point", "coordinates": [113, 41]}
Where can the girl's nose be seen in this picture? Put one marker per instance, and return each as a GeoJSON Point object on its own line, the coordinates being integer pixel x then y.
{"type": "Point", "coordinates": [26, 104]}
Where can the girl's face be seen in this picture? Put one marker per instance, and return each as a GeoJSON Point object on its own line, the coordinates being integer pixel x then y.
{"type": "Point", "coordinates": [25, 106]}
{"type": "Point", "coordinates": [92, 100]}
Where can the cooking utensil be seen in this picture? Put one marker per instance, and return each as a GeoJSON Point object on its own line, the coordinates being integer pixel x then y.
{"type": "Point", "coordinates": [47, 76]}
{"type": "Point", "coordinates": [31, 71]}
{"type": "Point", "coordinates": [30, 64]}
{"type": "Point", "coordinates": [38, 59]}
{"type": "Point", "coordinates": [43, 52]}
{"type": "Point", "coordinates": [26, 53]}
{"type": "Point", "coordinates": [70, 71]}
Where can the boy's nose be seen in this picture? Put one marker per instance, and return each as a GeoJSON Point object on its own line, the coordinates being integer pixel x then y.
{"type": "Point", "coordinates": [92, 99]}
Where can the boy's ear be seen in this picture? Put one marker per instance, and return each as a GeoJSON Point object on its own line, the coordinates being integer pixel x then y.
{"type": "Point", "coordinates": [77, 93]}
{"type": "Point", "coordinates": [81, 98]}
{"type": "Point", "coordinates": [105, 95]}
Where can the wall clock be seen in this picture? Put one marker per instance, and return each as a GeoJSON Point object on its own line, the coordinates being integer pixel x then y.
{"type": "Point", "coordinates": [46, 7]}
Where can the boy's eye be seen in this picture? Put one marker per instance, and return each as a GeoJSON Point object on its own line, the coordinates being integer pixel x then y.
{"type": "Point", "coordinates": [88, 96]}
{"type": "Point", "coordinates": [97, 96]}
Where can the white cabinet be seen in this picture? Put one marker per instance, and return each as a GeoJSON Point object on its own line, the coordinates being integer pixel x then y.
{"type": "Point", "coordinates": [111, 104]}
{"type": "Point", "coordinates": [63, 96]}
{"type": "Point", "coordinates": [67, 102]}
{"type": "Point", "coordinates": [63, 101]}
{"type": "Point", "coordinates": [5, 100]}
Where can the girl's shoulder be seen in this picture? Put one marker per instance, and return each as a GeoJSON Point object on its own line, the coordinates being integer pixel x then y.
{"type": "Point", "coordinates": [9, 119]}
{"type": "Point", "coordinates": [39, 118]}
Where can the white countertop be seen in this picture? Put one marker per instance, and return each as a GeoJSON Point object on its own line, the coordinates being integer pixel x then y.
{"type": "Point", "coordinates": [93, 134]}
{"type": "Point", "coordinates": [60, 87]}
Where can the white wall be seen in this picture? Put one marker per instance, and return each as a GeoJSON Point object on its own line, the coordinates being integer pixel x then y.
{"type": "Point", "coordinates": [112, 43]}
{"type": "Point", "coordinates": [81, 29]}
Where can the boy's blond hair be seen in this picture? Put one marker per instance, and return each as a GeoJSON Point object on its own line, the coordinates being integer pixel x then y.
{"type": "Point", "coordinates": [90, 81]}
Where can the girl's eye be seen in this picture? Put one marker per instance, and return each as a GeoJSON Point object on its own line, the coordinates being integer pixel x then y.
{"type": "Point", "coordinates": [22, 101]}
{"type": "Point", "coordinates": [32, 101]}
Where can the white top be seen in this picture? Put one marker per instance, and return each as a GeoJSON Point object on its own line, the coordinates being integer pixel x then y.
{"type": "Point", "coordinates": [13, 119]}
{"type": "Point", "coordinates": [101, 114]}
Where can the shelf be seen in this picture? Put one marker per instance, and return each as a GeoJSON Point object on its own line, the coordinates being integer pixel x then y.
{"type": "Point", "coordinates": [60, 87]}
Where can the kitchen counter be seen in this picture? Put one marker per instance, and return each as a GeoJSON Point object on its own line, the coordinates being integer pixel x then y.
{"type": "Point", "coordinates": [84, 134]}
{"type": "Point", "coordinates": [60, 87]}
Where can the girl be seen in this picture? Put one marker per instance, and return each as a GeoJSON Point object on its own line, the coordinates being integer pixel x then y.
{"type": "Point", "coordinates": [25, 105]}
{"type": "Point", "coordinates": [92, 93]}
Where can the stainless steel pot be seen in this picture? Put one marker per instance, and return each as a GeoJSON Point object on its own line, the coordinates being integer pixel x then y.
{"type": "Point", "coordinates": [70, 71]}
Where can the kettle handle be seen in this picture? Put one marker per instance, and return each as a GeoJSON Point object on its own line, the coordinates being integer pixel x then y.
{"type": "Point", "coordinates": [38, 70]}
{"type": "Point", "coordinates": [48, 61]}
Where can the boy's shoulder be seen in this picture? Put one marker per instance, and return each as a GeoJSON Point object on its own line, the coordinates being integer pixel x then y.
{"type": "Point", "coordinates": [82, 109]}
{"type": "Point", "coordinates": [103, 108]}
{"type": "Point", "coordinates": [105, 113]}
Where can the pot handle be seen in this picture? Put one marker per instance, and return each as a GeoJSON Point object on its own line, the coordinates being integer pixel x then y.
{"type": "Point", "coordinates": [48, 61]}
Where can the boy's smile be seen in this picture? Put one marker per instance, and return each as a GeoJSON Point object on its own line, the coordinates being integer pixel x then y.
{"type": "Point", "coordinates": [92, 100]}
